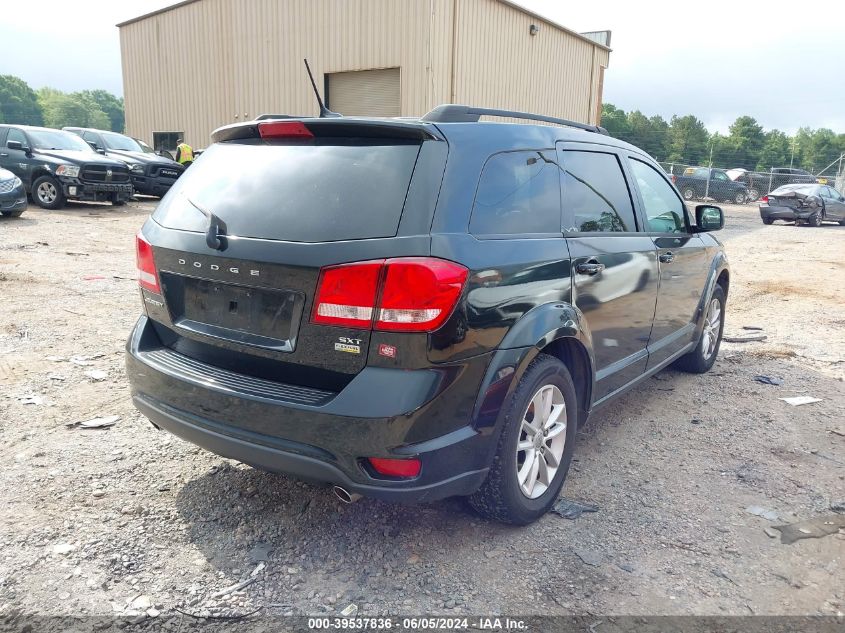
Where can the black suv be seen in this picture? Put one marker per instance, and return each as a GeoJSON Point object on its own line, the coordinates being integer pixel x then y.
{"type": "Point", "coordinates": [415, 309]}
{"type": "Point", "coordinates": [55, 166]}
{"type": "Point", "coordinates": [152, 175]}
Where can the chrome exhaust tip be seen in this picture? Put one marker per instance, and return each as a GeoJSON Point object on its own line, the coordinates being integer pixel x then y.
{"type": "Point", "coordinates": [344, 495]}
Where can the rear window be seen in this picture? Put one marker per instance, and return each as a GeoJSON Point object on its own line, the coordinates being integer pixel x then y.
{"type": "Point", "coordinates": [321, 191]}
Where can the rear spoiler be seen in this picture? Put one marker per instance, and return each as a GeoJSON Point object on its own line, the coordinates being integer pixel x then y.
{"type": "Point", "coordinates": [338, 128]}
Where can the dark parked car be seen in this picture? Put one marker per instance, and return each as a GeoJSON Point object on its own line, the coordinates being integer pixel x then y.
{"type": "Point", "coordinates": [810, 204]}
{"type": "Point", "coordinates": [790, 176]}
{"type": "Point", "coordinates": [694, 184]}
{"type": "Point", "coordinates": [152, 175]}
{"type": "Point", "coordinates": [416, 309]}
{"type": "Point", "coordinates": [55, 166]}
{"type": "Point", "coordinates": [12, 194]}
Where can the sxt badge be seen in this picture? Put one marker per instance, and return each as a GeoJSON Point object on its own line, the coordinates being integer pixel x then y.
{"type": "Point", "coordinates": [348, 345]}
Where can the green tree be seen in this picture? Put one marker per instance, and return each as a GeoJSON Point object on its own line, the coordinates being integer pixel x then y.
{"type": "Point", "coordinates": [615, 121]}
{"type": "Point", "coordinates": [823, 150]}
{"type": "Point", "coordinates": [76, 109]}
{"type": "Point", "coordinates": [688, 140]}
{"type": "Point", "coordinates": [745, 140]}
{"type": "Point", "coordinates": [18, 102]}
{"type": "Point", "coordinates": [648, 134]}
{"type": "Point", "coordinates": [111, 105]}
{"type": "Point", "coordinates": [775, 151]}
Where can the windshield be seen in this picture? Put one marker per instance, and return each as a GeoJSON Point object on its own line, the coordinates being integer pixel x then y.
{"type": "Point", "coordinates": [55, 139]}
{"type": "Point", "coordinates": [120, 142]}
{"type": "Point", "coordinates": [144, 147]}
{"type": "Point", "coordinates": [324, 191]}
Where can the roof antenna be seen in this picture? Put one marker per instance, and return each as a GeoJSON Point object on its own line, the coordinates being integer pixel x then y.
{"type": "Point", "coordinates": [325, 113]}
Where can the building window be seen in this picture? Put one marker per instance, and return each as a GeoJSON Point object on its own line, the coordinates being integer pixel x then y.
{"type": "Point", "coordinates": [166, 141]}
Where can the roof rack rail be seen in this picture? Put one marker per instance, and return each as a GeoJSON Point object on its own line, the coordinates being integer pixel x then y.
{"type": "Point", "coordinates": [467, 114]}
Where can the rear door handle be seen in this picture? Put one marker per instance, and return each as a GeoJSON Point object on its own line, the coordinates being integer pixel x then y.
{"type": "Point", "coordinates": [589, 268]}
{"type": "Point", "coordinates": [667, 258]}
{"type": "Point", "coordinates": [3, 155]}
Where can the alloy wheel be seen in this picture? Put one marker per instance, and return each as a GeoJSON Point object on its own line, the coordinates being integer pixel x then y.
{"type": "Point", "coordinates": [712, 327]}
{"type": "Point", "coordinates": [47, 192]}
{"type": "Point", "coordinates": [542, 437]}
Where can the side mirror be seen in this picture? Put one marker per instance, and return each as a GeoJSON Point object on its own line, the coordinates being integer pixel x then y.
{"type": "Point", "coordinates": [15, 145]}
{"type": "Point", "coordinates": [709, 217]}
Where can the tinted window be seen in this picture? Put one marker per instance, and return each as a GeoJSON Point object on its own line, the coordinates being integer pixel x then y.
{"type": "Point", "coordinates": [17, 135]}
{"type": "Point", "coordinates": [664, 209]}
{"type": "Point", "coordinates": [56, 139]}
{"type": "Point", "coordinates": [320, 191]}
{"type": "Point", "coordinates": [120, 142]}
{"type": "Point", "coordinates": [718, 175]}
{"type": "Point", "coordinates": [595, 193]}
{"type": "Point", "coordinates": [519, 192]}
{"type": "Point", "coordinates": [90, 137]}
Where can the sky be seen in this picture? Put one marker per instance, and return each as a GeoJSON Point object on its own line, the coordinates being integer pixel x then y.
{"type": "Point", "coordinates": [716, 60]}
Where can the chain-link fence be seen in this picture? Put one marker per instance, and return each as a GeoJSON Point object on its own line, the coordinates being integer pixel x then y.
{"type": "Point", "coordinates": [742, 185]}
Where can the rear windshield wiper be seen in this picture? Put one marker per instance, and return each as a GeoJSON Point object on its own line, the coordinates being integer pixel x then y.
{"type": "Point", "coordinates": [216, 228]}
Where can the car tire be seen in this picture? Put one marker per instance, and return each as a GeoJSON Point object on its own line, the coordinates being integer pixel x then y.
{"type": "Point", "coordinates": [47, 193]}
{"type": "Point", "coordinates": [816, 219]}
{"type": "Point", "coordinates": [688, 194]}
{"type": "Point", "coordinates": [740, 198]}
{"type": "Point", "coordinates": [503, 496]}
{"type": "Point", "coordinates": [118, 203]}
{"type": "Point", "coordinates": [701, 359]}
{"type": "Point", "coordinates": [13, 214]}
{"type": "Point", "coordinates": [753, 195]}
{"type": "Point", "coordinates": [767, 220]}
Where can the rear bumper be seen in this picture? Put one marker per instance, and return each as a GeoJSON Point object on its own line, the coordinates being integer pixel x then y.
{"type": "Point", "coordinates": [323, 436]}
{"type": "Point", "coordinates": [784, 213]}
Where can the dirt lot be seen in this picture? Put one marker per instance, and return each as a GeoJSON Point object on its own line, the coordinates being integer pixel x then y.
{"type": "Point", "coordinates": [128, 519]}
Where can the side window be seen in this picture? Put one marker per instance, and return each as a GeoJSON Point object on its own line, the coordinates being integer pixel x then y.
{"type": "Point", "coordinates": [16, 135]}
{"type": "Point", "coordinates": [663, 207]}
{"type": "Point", "coordinates": [519, 192]}
{"type": "Point", "coordinates": [718, 175]}
{"type": "Point", "coordinates": [595, 193]}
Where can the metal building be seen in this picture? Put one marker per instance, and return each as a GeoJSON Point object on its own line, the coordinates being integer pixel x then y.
{"type": "Point", "coordinates": [200, 64]}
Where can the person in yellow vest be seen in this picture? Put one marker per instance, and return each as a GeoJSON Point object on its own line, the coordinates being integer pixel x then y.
{"type": "Point", "coordinates": [184, 153]}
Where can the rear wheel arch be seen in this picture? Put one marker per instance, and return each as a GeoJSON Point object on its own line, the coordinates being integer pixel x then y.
{"type": "Point", "coordinates": [724, 280]}
{"type": "Point", "coordinates": [574, 355]}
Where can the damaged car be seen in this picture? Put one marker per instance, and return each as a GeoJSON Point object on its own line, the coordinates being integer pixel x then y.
{"type": "Point", "coordinates": [810, 204]}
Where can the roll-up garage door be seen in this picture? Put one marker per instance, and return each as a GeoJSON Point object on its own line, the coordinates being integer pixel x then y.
{"type": "Point", "coordinates": [365, 92]}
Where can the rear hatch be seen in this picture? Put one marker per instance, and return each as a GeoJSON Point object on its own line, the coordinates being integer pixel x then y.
{"type": "Point", "coordinates": [240, 240]}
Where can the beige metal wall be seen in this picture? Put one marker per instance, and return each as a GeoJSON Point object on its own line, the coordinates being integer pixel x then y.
{"type": "Point", "coordinates": [500, 65]}
{"type": "Point", "coordinates": [212, 62]}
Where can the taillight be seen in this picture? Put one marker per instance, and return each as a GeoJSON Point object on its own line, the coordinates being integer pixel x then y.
{"type": "Point", "coordinates": [419, 294]}
{"type": "Point", "coordinates": [406, 294]}
{"type": "Point", "coordinates": [284, 129]}
{"type": "Point", "coordinates": [346, 295]}
{"type": "Point", "coordinates": [674, 178]}
{"type": "Point", "coordinates": [147, 276]}
{"type": "Point", "coordinates": [395, 467]}
{"type": "Point", "coordinates": [764, 199]}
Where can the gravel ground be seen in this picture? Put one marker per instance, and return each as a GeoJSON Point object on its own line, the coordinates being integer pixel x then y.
{"type": "Point", "coordinates": [130, 521]}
